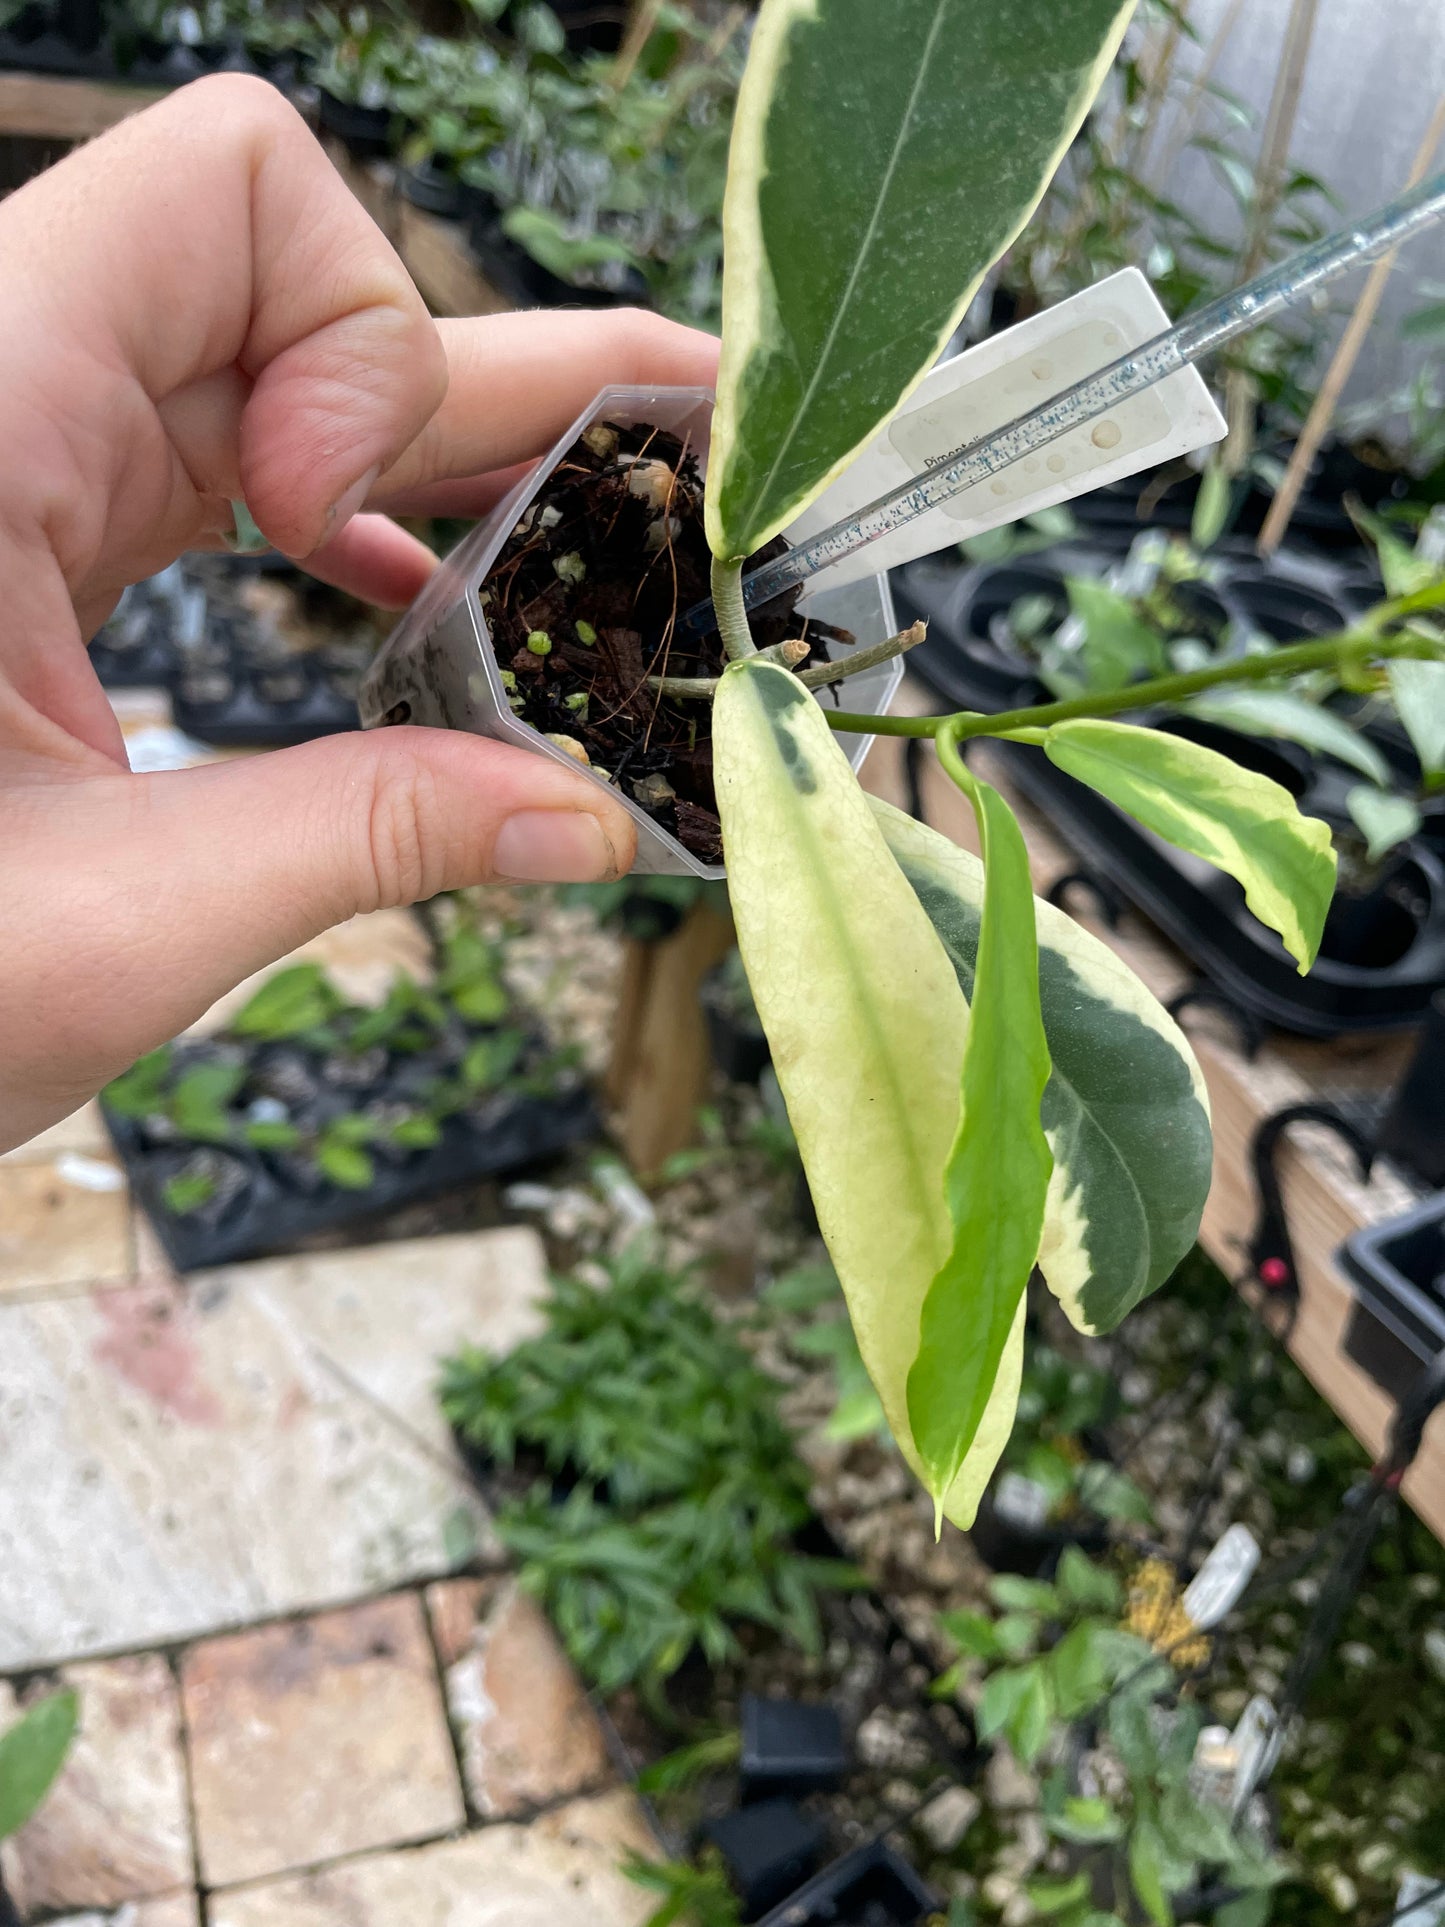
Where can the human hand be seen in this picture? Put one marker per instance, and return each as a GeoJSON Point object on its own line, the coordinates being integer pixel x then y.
{"type": "Point", "coordinates": [195, 309]}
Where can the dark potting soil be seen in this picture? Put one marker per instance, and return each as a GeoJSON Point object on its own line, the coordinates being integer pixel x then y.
{"type": "Point", "coordinates": [596, 574]}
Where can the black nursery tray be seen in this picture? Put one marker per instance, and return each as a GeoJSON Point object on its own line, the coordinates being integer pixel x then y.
{"type": "Point", "coordinates": [274, 1213]}
{"type": "Point", "coordinates": [1398, 1271]}
{"type": "Point", "coordinates": [232, 680]}
{"type": "Point", "coordinates": [1383, 955]}
{"type": "Point", "coordinates": [872, 1887]}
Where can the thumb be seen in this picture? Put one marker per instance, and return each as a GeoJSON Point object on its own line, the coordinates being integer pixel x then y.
{"type": "Point", "coordinates": [161, 892]}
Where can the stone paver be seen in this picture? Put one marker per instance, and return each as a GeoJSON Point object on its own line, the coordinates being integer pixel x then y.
{"type": "Point", "coordinates": [317, 1739]}
{"type": "Point", "coordinates": [527, 1734]}
{"type": "Point", "coordinates": [115, 1826]}
{"type": "Point", "coordinates": [562, 1871]}
{"type": "Point", "coordinates": [363, 958]}
{"type": "Point", "coordinates": [171, 1910]}
{"type": "Point", "coordinates": [64, 1222]}
{"type": "Point", "coordinates": [180, 1459]}
{"type": "Point", "coordinates": [387, 1315]}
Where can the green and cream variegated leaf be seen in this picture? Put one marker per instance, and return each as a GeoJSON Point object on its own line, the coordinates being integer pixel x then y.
{"type": "Point", "coordinates": [1240, 821]}
{"type": "Point", "coordinates": [867, 1024]}
{"type": "Point", "coordinates": [884, 154]}
{"type": "Point", "coordinates": [1125, 1110]}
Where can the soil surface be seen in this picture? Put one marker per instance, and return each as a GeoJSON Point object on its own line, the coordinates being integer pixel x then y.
{"type": "Point", "coordinates": [583, 605]}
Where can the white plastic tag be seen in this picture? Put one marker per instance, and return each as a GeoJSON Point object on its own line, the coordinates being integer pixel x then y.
{"type": "Point", "coordinates": [1022, 1502]}
{"type": "Point", "coordinates": [1256, 1744]}
{"type": "Point", "coordinates": [1219, 1582]}
{"type": "Point", "coordinates": [991, 385]}
{"type": "Point", "coordinates": [1419, 1903]}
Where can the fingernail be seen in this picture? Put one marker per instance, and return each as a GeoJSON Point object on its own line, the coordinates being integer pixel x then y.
{"type": "Point", "coordinates": [552, 846]}
{"type": "Point", "coordinates": [341, 513]}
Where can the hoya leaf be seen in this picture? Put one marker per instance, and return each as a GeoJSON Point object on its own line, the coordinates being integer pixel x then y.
{"type": "Point", "coordinates": [1417, 690]}
{"type": "Point", "coordinates": [1241, 822]}
{"type": "Point", "coordinates": [1125, 1110]}
{"type": "Point", "coordinates": [1118, 646]}
{"type": "Point", "coordinates": [1078, 1670]}
{"type": "Point", "coordinates": [1382, 818]}
{"type": "Point", "coordinates": [293, 1001]}
{"type": "Point", "coordinates": [1015, 1594]}
{"type": "Point", "coordinates": [999, 1169]}
{"type": "Point", "coordinates": [1211, 506]}
{"type": "Point", "coordinates": [1017, 1703]}
{"type": "Point", "coordinates": [1280, 713]}
{"type": "Point", "coordinates": [32, 1753]}
{"type": "Point", "coordinates": [882, 158]}
{"type": "Point", "coordinates": [866, 1023]}
{"type": "Point", "coordinates": [347, 1165]}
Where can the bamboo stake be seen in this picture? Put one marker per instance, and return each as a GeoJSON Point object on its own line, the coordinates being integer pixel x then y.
{"type": "Point", "coordinates": [1269, 182]}
{"type": "Point", "coordinates": [1202, 77]}
{"type": "Point", "coordinates": [640, 24]}
{"type": "Point", "coordinates": [1342, 365]}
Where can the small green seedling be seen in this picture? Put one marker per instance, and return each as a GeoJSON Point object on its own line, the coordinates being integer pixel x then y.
{"type": "Point", "coordinates": [539, 642]}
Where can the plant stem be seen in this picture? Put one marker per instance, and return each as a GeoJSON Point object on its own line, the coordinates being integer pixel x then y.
{"type": "Point", "coordinates": [731, 610]}
{"type": "Point", "coordinates": [821, 676]}
{"type": "Point", "coordinates": [1357, 645]}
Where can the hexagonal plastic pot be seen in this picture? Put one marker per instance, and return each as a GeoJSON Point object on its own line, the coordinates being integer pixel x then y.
{"type": "Point", "coordinates": [438, 667]}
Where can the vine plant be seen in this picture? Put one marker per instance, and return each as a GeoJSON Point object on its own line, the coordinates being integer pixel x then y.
{"type": "Point", "coordinates": [976, 1085]}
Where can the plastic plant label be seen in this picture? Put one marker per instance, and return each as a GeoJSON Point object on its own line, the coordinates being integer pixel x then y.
{"type": "Point", "coordinates": [1021, 1502]}
{"type": "Point", "coordinates": [1419, 1903]}
{"type": "Point", "coordinates": [994, 383]}
{"type": "Point", "coordinates": [1256, 1744]}
{"type": "Point", "coordinates": [1220, 1582]}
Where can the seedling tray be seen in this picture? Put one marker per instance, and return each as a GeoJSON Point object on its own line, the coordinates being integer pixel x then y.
{"type": "Point", "coordinates": [872, 1887]}
{"type": "Point", "coordinates": [789, 1748]}
{"type": "Point", "coordinates": [274, 1213]}
{"type": "Point", "coordinates": [769, 1850]}
{"type": "Point", "coordinates": [1398, 1271]}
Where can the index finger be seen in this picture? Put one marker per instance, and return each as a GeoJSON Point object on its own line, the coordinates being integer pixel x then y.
{"type": "Point", "coordinates": [516, 381]}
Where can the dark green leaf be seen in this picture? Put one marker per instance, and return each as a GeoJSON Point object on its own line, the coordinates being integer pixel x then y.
{"type": "Point", "coordinates": [32, 1753]}
{"type": "Point", "coordinates": [1146, 1855]}
{"type": "Point", "coordinates": [1053, 1896]}
{"type": "Point", "coordinates": [1083, 1584]}
{"type": "Point", "coordinates": [997, 1176]}
{"type": "Point", "coordinates": [199, 1100]}
{"type": "Point", "coordinates": [1018, 1595]}
{"type": "Point", "coordinates": [1086, 1821]}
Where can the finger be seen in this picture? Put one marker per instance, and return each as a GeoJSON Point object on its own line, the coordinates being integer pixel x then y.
{"type": "Point", "coordinates": [133, 913]}
{"type": "Point", "coordinates": [468, 497]}
{"type": "Point", "coordinates": [374, 559]}
{"type": "Point", "coordinates": [516, 382]}
{"type": "Point", "coordinates": [211, 233]}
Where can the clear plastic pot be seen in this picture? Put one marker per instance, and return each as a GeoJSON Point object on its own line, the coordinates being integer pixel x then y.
{"type": "Point", "coordinates": [438, 667]}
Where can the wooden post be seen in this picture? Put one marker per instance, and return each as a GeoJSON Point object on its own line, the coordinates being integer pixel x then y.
{"type": "Point", "coordinates": [661, 1064]}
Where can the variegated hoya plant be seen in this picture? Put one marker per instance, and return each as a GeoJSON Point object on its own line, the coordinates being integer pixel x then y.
{"type": "Point", "coordinates": [977, 1085]}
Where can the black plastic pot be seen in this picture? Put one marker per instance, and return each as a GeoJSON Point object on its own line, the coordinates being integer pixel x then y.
{"type": "Point", "coordinates": [1412, 1131]}
{"type": "Point", "coordinates": [769, 1850]}
{"type": "Point", "coordinates": [278, 1206]}
{"type": "Point", "coordinates": [1397, 1326]}
{"type": "Point", "coordinates": [366, 132]}
{"type": "Point", "coordinates": [871, 1887]}
{"type": "Point", "coordinates": [592, 26]}
{"type": "Point", "coordinates": [432, 186]}
{"type": "Point", "coordinates": [789, 1750]}
{"type": "Point", "coordinates": [739, 1043]}
{"type": "Point", "coordinates": [1007, 1543]}
{"type": "Point", "coordinates": [1286, 611]}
